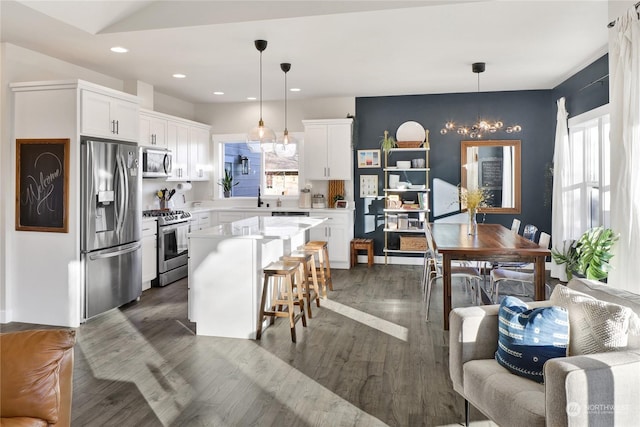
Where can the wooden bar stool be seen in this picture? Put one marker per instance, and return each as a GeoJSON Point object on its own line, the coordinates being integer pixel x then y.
{"type": "Point", "coordinates": [283, 274]}
{"type": "Point", "coordinates": [323, 268]}
{"type": "Point", "coordinates": [364, 245]}
{"type": "Point", "coordinates": [307, 276]}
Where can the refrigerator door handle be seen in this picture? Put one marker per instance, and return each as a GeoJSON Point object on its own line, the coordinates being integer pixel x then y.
{"type": "Point", "coordinates": [122, 195]}
{"type": "Point", "coordinates": [110, 253]}
{"type": "Point", "coordinates": [125, 176]}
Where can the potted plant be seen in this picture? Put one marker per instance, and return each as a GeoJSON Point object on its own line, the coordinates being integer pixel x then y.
{"type": "Point", "coordinates": [387, 142]}
{"type": "Point", "coordinates": [589, 256]}
{"type": "Point", "coordinates": [227, 183]}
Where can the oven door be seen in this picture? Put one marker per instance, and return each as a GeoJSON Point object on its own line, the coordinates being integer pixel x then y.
{"type": "Point", "coordinates": [172, 246]}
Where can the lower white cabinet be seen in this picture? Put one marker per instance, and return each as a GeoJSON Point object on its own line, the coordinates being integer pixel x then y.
{"type": "Point", "coordinates": [149, 252]}
{"type": "Point", "coordinates": [201, 220]}
{"type": "Point", "coordinates": [337, 231]}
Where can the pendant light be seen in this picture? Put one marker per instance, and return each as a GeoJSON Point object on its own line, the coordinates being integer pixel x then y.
{"type": "Point", "coordinates": [482, 126]}
{"type": "Point", "coordinates": [262, 134]}
{"type": "Point", "coordinates": [286, 146]}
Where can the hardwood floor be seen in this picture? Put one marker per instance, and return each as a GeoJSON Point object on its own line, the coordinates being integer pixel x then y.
{"type": "Point", "coordinates": [367, 358]}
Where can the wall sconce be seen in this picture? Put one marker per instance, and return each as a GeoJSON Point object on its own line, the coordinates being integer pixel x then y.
{"type": "Point", "coordinates": [244, 161]}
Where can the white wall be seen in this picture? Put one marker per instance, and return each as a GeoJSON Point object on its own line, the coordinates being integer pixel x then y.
{"type": "Point", "coordinates": [173, 106]}
{"type": "Point", "coordinates": [242, 116]}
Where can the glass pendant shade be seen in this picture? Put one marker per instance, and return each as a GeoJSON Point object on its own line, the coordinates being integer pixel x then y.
{"type": "Point", "coordinates": [262, 134]}
{"type": "Point", "coordinates": [286, 145]}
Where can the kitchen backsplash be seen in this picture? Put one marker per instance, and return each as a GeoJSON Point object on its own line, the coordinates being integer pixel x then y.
{"type": "Point", "coordinates": [203, 192]}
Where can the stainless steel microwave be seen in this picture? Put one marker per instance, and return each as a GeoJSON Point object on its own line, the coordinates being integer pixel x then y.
{"type": "Point", "coordinates": [156, 163]}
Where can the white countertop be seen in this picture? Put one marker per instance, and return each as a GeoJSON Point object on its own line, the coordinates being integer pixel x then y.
{"type": "Point", "coordinates": [264, 209]}
{"type": "Point", "coordinates": [260, 227]}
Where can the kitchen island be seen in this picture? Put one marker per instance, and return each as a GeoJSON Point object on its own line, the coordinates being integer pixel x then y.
{"type": "Point", "coordinates": [225, 270]}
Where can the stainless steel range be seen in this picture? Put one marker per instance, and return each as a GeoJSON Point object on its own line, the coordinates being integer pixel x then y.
{"type": "Point", "coordinates": [173, 227]}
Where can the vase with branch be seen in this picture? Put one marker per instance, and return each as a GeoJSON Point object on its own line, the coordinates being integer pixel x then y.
{"type": "Point", "coordinates": [473, 199]}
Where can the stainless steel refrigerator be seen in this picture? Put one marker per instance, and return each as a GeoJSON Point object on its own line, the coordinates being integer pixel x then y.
{"type": "Point", "coordinates": [110, 224]}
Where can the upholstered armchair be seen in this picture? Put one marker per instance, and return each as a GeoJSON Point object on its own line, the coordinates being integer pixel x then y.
{"type": "Point", "coordinates": [36, 377]}
{"type": "Point", "coordinates": [594, 389]}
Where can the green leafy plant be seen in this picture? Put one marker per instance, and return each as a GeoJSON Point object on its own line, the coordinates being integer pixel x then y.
{"type": "Point", "coordinates": [387, 142]}
{"type": "Point", "coordinates": [589, 255]}
{"type": "Point", "coordinates": [227, 182]}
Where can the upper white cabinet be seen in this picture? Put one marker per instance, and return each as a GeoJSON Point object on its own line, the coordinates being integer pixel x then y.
{"type": "Point", "coordinates": [178, 143]}
{"type": "Point", "coordinates": [189, 142]}
{"type": "Point", "coordinates": [199, 160]}
{"type": "Point", "coordinates": [153, 130]}
{"type": "Point", "coordinates": [108, 116]}
{"type": "Point", "coordinates": [327, 149]}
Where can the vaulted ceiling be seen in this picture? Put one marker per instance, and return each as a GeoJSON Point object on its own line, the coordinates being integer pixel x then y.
{"type": "Point", "coordinates": [337, 48]}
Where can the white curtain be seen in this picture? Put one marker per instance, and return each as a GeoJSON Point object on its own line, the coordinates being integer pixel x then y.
{"type": "Point", "coordinates": [624, 66]}
{"type": "Point", "coordinates": [507, 177]}
{"type": "Point", "coordinates": [562, 175]}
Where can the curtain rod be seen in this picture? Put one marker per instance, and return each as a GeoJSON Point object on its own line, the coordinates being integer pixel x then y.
{"type": "Point", "coordinates": [600, 80]}
{"type": "Point", "coordinates": [612, 23]}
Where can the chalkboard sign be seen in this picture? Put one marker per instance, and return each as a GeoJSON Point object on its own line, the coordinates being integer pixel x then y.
{"type": "Point", "coordinates": [491, 174]}
{"type": "Point", "coordinates": [42, 185]}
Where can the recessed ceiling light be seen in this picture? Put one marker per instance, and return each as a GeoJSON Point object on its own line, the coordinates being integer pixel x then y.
{"type": "Point", "coordinates": [179, 76]}
{"type": "Point", "coordinates": [119, 49]}
{"type": "Point", "coordinates": [251, 98]}
{"type": "Point", "coordinates": [218, 93]}
{"type": "Point", "coordinates": [295, 89]}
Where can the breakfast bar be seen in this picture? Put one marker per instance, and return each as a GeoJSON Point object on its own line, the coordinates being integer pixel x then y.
{"type": "Point", "coordinates": [225, 270]}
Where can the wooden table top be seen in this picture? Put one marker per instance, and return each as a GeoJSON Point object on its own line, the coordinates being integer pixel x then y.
{"type": "Point", "coordinates": [492, 239]}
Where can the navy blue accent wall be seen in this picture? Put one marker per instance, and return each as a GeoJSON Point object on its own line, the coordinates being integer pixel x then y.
{"type": "Point", "coordinates": [587, 89]}
{"type": "Point", "coordinates": [535, 111]}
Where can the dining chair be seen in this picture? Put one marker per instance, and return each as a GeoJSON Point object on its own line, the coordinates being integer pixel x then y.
{"type": "Point", "coordinates": [515, 225]}
{"type": "Point", "coordinates": [433, 272]}
{"type": "Point", "coordinates": [499, 275]}
{"type": "Point", "coordinates": [529, 233]}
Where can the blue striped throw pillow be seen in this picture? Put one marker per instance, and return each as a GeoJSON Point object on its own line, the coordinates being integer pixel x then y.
{"type": "Point", "coordinates": [527, 338]}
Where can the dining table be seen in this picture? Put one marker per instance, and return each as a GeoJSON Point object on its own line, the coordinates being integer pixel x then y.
{"type": "Point", "coordinates": [491, 243]}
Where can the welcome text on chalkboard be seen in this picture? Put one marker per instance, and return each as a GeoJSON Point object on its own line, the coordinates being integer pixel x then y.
{"type": "Point", "coordinates": [42, 185]}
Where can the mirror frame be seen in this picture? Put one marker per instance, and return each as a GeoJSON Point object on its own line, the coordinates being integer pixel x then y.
{"type": "Point", "coordinates": [517, 178]}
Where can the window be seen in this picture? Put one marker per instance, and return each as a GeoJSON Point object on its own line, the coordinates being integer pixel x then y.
{"type": "Point", "coordinates": [275, 171]}
{"type": "Point", "coordinates": [589, 189]}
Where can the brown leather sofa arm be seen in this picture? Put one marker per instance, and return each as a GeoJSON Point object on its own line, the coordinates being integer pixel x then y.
{"type": "Point", "coordinates": [36, 377]}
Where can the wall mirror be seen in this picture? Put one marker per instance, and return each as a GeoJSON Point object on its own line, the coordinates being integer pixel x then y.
{"type": "Point", "coordinates": [495, 167]}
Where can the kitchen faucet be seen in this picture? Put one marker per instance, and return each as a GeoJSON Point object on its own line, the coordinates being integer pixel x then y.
{"type": "Point", "coordinates": [260, 202]}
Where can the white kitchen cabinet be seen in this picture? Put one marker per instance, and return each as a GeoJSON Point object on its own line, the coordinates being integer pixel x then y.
{"type": "Point", "coordinates": [108, 116]}
{"type": "Point", "coordinates": [327, 149]}
{"type": "Point", "coordinates": [189, 142]}
{"type": "Point", "coordinates": [153, 130]}
{"type": "Point", "coordinates": [178, 143]}
{"type": "Point", "coordinates": [337, 231]}
{"type": "Point", "coordinates": [199, 160]}
{"type": "Point", "coordinates": [201, 220]}
{"type": "Point", "coordinates": [149, 252]}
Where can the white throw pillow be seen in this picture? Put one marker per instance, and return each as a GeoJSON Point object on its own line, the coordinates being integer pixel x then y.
{"type": "Point", "coordinates": [595, 326]}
